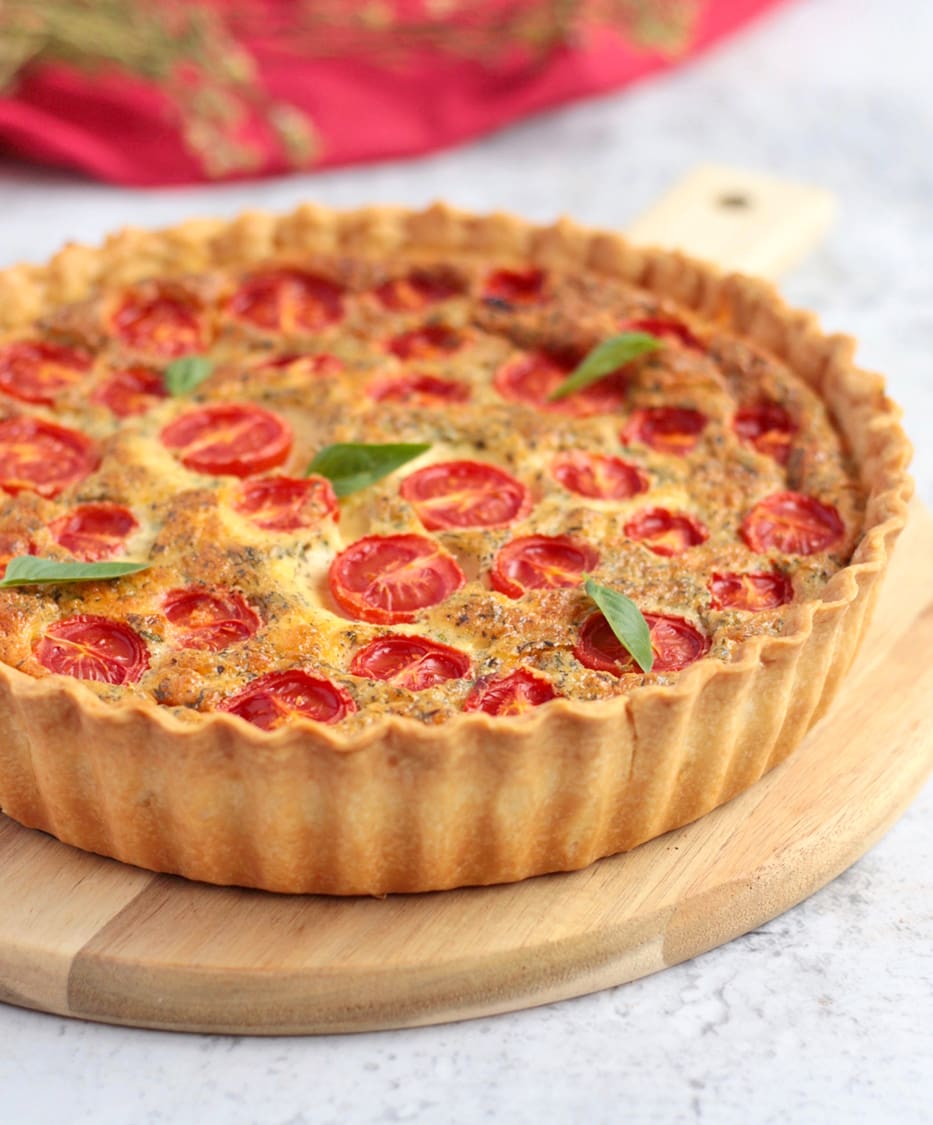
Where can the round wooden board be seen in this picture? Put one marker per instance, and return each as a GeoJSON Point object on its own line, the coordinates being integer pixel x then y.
{"type": "Point", "coordinates": [85, 936]}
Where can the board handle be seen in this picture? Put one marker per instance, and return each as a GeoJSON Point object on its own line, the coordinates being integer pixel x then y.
{"type": "Point", "coordinates": [740, 220]}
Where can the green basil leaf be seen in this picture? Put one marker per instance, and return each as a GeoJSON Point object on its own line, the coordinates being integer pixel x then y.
{"type": "Point", "coordinates": [605, 358]}
{"type": "Point", "coordinates": [351, 466]}
{"type": "Point", "coordinates": [28, 570]}
{"type": "Point", "coordinates": [186, 373]}
{"type": "Point", "coordinates": [626, 621]}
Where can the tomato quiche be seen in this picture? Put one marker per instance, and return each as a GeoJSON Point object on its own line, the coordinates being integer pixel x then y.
{"type": "Point", "coordinates": [406, 684]}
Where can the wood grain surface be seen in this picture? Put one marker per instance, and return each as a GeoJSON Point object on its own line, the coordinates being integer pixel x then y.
{"type": "Point", "coordinates": [742, 220]}
{"type": "Point", "coordinates": [85, 936]}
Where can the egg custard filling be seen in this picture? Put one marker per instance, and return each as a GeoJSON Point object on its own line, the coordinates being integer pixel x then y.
{"type": "Point", "coordinates": [395, 550]}
{"type": "Point", "coordinates": [703, 479]}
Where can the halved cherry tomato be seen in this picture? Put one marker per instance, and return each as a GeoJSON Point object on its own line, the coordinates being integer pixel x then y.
{"type": "Point", "coordinates": [455, 494]}
{"type": "Point", "coordinates": [419, 289]}
{"type": "Point", "coordinates": [131, 391]}
{"type": "Point", "coordinates": [674, 642]}
{"type": "Point", "coordinates": [322, 363]}
{"type": "Point", "coordinates": [209, 619]}
{"type": "Point", "coordinates": [666, 533]}
{"type": "Point", "coordinates": [286, 503]}
{"type": "Point", "coordinates": [232, 438]}
{"type": "Point", "coordinates": [541, 562]}
{"type": "Point", "coordinates": [92, 532]}
{"type": "Point", "coordinates": [273, 699]}
{"type": "Point", "coordinates": [428, 342]}
{"type": "Point", "coordinates": [389, 578]}
{"type": "Point", "coordinates": [419, 390]}
{"type": "Point", "coordinates": [38, 456]}
{"type": "Point", "coordinates": [752, 591]}
{"type": "Point", "coordinates": [668, 429]}
{"type": "Point", "coordinates": [162, 324]}
{"type": "Point", "coordinates": [515, 287]}
{"type": "Point", "coordinates": [36, 371]}
{"type": "Point", "coordinates": [768, 427]}
{"type": "Point", "coordinates": [510, 695]}
{"type": "Point", "coordinates": [90, 647]}
{"type": "Point", "coordinates": [598, 476]}
{"type": "Point", "coordinates": [666, 328]}
{"type": "Point", "coordinates": [531, 377]}
{"type": "Point", "coordinates": [793, 523]}
{"type": "Point", "coordinates": [288, 300]}
{"type": "Point", "coordinates": [414, 663]}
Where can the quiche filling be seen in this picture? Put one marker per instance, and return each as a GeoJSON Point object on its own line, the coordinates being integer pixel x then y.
{"type": "Point", "coordinates": [703, 480]}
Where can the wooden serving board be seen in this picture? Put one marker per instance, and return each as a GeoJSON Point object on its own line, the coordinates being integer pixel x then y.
{"type": "Point", "coordinates": [85, 936]}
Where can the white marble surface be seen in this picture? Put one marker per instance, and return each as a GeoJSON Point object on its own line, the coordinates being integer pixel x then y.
{"type": "Point", "coordinates": [826, 1014]}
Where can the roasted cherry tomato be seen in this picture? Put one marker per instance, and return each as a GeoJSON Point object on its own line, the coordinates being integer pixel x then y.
{"type": "Point", "coordinates": [674, 642]}
{"type": "Point", "coordinates": [92, 532]}
{"type": "Point", "coordinates": [419, 390]}
{"type": "Point", "coordinates": [667, 429]}
{"type": "Point", "coordinates": [209, 619]}
{"type": "Point", "coordinates": [768, 427]}
{"type": "Point", "coordinates": [36, 371]}
{"type": "Point", "coordinates": [133, 390]}
{"type": "Point", "coordinates": [598, 476]}
{"type": "Point", "coordinates": [418, 290]}
{"type": "Point", "coordinates": [428, 342]}
{"type": "Point", "coordinates": [515, 287]}
{"type": "Point", "coordinates": [793, 523]}
{"type": "Point", "coordinates": [510, 695]}
{"type": "Point", "coordinates": [541, 562]}
{"type": "Point", "coordinates": [233, 438]}
{"type": "Point", "coordinates": [162, 324]}
{"type": "Point", "coordinates": [666, 328]}
{"type": "Point", "coordinates": [273, 699]}
{"type": "Point", "coordinates": [38, 456]}
{"type": "Point", "coordinates": [321, 363]}
{"type": "Point", "coordinates": [286, 503]}
{"type": "Point", "coordinates": [752, 591]}
{"type": "Point", "coordinates": [414, 663]}
{"type": "Point", "coordinates": [89, 647]}
{"type": "Point", "coordinates": [390, 578]}
{"type": "Point", "coordinates": [458, 494]}
{"type": "Point", "coordinates": [666, 533]}
{"type": "Point", "coordinates": [531, 377]}
{"type": "Point", "coordinates": [287, 300]}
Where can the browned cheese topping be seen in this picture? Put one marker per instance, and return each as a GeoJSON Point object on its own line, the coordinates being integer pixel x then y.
{"type": "Point", "coordinates": [703, 480]}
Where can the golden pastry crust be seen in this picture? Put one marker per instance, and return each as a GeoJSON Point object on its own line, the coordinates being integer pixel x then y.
{"type": "Point", "coordinates": [383, 802]}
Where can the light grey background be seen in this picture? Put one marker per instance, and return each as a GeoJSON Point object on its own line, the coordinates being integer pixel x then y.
{"type": "Point", "coordinates": [826, 1014]}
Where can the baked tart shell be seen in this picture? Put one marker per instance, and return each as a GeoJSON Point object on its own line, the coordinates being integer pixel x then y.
{"type": "Point", "coordinates": [403, 806]}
